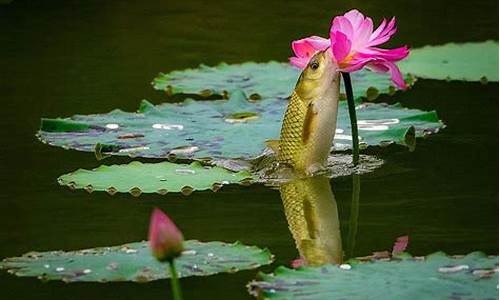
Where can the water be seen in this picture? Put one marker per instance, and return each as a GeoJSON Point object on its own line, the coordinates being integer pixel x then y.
{"type": "Point", "coordinates": [59, 58]}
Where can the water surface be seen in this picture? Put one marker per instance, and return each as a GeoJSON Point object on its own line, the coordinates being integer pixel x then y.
{"type": "Point", "coordinates": [60, 58]}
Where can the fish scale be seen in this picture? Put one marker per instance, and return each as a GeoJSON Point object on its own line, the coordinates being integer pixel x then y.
{"type": "Point", "coordinates": [291, 146]}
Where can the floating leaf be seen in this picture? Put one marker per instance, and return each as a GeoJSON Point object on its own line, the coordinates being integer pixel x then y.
{"type": "Point", "coordinates": [234, 128]}
{"type": "Point", "coordinates": [436, 276]}
{"type": "Point", "coordinates": [134, 262]}
{"type": "Point", "coordinates": [468, 61]}
{"type": "Point", "coordinates": [257, 80]}
{"type": "Point", "coordinates": [136, 178]}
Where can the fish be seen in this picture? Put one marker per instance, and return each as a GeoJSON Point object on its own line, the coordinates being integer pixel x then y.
{"type": "Point", "coordinates": [310, 119]}
{"type": "Point", "coordinates": [312, 216]}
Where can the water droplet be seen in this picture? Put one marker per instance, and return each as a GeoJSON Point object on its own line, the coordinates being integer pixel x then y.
{"type": "Point", "coordinates": [373, 127]}
{"type": "Point", "coordinates": [345, 266]}
{"type": "Point", "coordinates": [130, 251]}
{"type": "Point", "coordinates": [185, 171]}
{"type": "Point", "coordinates": [46, 266]}
{"type": "Point", "coordinates": [184, 150]}
{"type": "Point", "coordinates": [168, 126]}
{"type": "Point", "coordinates": [189, 252]}
{"type": "Point", "coordinates": [134, 149]}
{"type": "Point", "coordinates": [378, 122]}
{"type": "Point", "coordinates": [112, 126]}
{"type": "Point", "coordinates": [210, 254]}
{"type": "Point", "coordinates": [343, 137]}
{"type": "Point", "coordinates": [87, 271]}
{"type": "Point", "coordinates": [59, 269]}
{"type": "Point", "coordinates": [453, 269]}
{"type": "Point", "coordinates": [339, 130]}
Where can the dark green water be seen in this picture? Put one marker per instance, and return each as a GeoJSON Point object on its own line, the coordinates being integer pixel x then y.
{"type": "Point", "coordinates": [59, 58]}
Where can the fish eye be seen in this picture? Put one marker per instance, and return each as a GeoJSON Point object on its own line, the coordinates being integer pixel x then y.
{"type": "Point", "coordinates": [314, 65]}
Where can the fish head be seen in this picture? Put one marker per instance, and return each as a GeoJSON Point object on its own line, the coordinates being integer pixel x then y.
{"type": "Point", "coordinates": [317, 77]}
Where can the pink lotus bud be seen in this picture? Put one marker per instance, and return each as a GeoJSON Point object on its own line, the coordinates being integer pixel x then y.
{"type": "Point", "coordinates": [165, 239]}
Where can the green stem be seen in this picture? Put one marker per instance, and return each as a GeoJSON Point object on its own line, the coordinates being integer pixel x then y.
{"type": "Point", "coordinates": [174, 281]}
{"type": "Point", "coordinates": [353, 219]}
{"type": "Point", "coordinates": [352, 116]}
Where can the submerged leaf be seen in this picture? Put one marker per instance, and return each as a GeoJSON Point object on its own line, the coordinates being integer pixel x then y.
{"type": "Point", "coordinates": [234, 128]}
{"type": "Point", "coordinates": [436, 276]}
{"type": "Point", "coordinates": [134, 262]}
{"type": "Point", "coordinates": [136, 178]}
{"type": "Point", "coordinates": [468, 61]}
{"type": "Point", "coordinates": [265, 80]}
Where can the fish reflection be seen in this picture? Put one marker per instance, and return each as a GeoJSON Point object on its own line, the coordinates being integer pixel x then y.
{"type": "Point", "coordinates": [311, 212]}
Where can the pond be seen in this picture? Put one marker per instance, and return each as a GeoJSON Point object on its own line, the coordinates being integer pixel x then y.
{"type": "Point", "coordinates": [61, 58]}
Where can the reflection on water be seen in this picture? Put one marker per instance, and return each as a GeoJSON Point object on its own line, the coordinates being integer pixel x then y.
{"type": "Point", "coordinates": [313, 219]}
{"type": "Point", "coordinates": [353, 219]}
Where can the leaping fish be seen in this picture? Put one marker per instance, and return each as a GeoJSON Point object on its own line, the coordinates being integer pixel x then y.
{"type": "Point", "coordinates": [311, 117]}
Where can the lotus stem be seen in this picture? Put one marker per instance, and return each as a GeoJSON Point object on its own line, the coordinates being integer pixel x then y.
{"type": "Point", "coordinates": [352, 116]}
{"type": "Point", "coordinates": [174, 281]}
{"type": "Point", "coordinates": [353, 219]}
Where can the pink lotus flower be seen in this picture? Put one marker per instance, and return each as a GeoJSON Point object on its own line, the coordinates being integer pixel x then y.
{"type": "Point", "coordinates": [352, 42]}
{"type": "Point", "coordinates": [165, 239]}
{"type": "Point", "coordinates": [304, 49]}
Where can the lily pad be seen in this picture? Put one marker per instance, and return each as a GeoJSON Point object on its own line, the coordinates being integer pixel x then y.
{"type": "Point", "coordinates": [134, 262]}
{"type": "Point", "coordinates": [234, 128]}
{"type": "Point", "coordinates": [468, 61]}
{"type": "Point", "coordinates": [436, 276]}
{"type": "Point", "coordinates": [136, 178]}
{"type": "Point", "coordinates": [258, 80]}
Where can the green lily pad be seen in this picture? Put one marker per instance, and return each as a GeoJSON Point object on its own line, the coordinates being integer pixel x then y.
{"type": "Point", "coordinates": [134, 262]}
{"type": "Point", "coordinates": [136, 178]}
{"type": "Point", "coordinates": [436, 276]}
{"type": "Point", "coordinates": [234, 128]}
{"type": "Point", "coordinates": [258, 80]}
{"type": "Point", "coordinates": [468, 61]}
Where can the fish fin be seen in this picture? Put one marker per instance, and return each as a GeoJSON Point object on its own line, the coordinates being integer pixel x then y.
{"type": "Point", "coordinates": [309, 122]}
{"type": "Point", "coordinates": [274, 145]}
